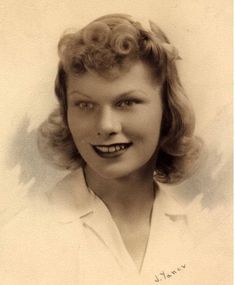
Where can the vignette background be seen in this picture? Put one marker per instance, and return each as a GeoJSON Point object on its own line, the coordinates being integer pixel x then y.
{"type": "Point", "coordinates": [201, 31]}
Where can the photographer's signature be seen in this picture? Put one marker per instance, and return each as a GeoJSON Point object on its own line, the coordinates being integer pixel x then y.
{"type": "Point", "coordinates": [163, 275]}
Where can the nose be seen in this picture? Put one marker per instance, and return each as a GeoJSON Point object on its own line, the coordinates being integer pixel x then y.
{"type": "Point", "coordinates": [108, 122]}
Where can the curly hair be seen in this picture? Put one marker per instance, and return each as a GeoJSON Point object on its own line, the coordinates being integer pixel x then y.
{"type": "Point", "coordinates": [108, 46]}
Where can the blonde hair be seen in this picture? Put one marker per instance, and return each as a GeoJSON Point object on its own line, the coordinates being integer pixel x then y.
{"type": "Point", "coordinates": [108, 46]}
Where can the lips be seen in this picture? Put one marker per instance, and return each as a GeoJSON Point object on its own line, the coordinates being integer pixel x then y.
{"type": "Point", "coordinates": [111, 150]}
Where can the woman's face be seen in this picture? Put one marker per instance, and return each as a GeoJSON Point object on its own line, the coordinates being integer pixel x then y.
{"type": "Point", "coordinates": [116, 123]}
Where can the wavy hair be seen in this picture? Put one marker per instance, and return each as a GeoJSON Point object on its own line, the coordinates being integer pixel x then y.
{"type": "Point", "coordinates": [108, 46]}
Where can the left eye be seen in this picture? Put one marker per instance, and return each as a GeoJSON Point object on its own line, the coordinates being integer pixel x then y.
{"type": "Point", "coordinates": [126, 103]}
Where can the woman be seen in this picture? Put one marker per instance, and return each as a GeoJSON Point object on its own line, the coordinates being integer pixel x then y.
{"type": "Point", "coordinates": [123, 124]}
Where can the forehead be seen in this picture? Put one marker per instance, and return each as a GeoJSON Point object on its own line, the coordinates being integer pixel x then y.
{"type": "Point", "coordinates": [139, 75]}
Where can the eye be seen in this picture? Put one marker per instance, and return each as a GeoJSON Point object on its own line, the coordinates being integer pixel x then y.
{"type": "Point", "coordinates": [84, 105]}
{"type": "Point", "coordinates": [127, 103]}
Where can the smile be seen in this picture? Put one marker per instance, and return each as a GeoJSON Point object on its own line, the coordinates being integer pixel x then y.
{"type": "Point", "coordinates": [111, 150]}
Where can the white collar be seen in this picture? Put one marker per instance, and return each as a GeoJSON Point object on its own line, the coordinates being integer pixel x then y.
{"type": "Point", "coordinates": [72, 200]}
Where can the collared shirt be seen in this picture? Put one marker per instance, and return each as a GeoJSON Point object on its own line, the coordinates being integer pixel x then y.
{"type": "Point", "coordinates": [74, 240]}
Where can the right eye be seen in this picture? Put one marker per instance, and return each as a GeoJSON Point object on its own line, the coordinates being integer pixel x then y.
{"type": "Point", "coordinates": [84, 105]}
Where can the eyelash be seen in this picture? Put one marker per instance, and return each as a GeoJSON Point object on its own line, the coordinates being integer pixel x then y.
{"type": "Point", "coordinates": [128, 103]}
{"type": "Point", "coordinates": [84, 105]}
{"type": "Point", "coordinates": [123, 104]}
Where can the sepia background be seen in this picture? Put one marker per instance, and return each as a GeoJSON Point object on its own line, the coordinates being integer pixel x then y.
{"type": "Point", "coordinates": [202, 32]}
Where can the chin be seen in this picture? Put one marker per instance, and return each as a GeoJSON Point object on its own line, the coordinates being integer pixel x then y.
{"type": "Point", "coordinates": [112, 174]}
{"type": "Point", "coordinates": [116, 172]}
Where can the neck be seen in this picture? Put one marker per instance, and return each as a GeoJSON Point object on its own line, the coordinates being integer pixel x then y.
{"type": "Point", "coordinates": [125, 194]}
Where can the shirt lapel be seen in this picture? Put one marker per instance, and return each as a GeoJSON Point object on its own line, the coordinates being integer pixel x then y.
{"type": "Point", "coordinates": [106, 230]}
{"type": "Point", "coordinates": [73, 201]}
{"type": "Point", "coordinates": [166, 247]}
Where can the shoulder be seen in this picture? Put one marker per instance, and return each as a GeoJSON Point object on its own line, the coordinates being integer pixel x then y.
{"type": "Point", "coordinates": [40, 210]}
{"type": "Point", "coordinates": [69, 189]}
{"type": "Point", "coordinates": [35, 222]}
{"type": "Point", "coordinates": [173, 218]}
{"type": "Point", "coordinates": [35, 244]}
{"type": "Point", "coordinates": [169, 204]}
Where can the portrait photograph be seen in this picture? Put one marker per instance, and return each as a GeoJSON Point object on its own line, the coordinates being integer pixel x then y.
{"type": "Point", "coordinates": [117, 142]}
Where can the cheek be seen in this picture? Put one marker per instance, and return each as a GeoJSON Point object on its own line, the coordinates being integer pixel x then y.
{"type": "Point", "coordinates": [147, 124]}
{"type": "Point", "coordinates": [148, 131]}
{"type": "Point", "coordinates": [79, 128]}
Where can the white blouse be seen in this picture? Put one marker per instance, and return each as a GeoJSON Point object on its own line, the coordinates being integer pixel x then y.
{"type": "Point", "coordinates": [71, 239]}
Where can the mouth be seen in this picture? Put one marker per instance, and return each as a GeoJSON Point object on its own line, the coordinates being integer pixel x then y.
{"type": "Point", "coordinates": [112, 150]}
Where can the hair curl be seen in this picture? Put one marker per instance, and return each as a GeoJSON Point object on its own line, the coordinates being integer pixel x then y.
{"type": "Point", "coordinates": [108, 46]}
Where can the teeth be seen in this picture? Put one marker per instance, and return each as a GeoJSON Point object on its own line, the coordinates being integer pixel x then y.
{"type": "Point", "coordinates": [103, 148]}
{"type": "Point", "coordinates": [118, 147]}
{"type": "Point", "coordinates": [111, 149]}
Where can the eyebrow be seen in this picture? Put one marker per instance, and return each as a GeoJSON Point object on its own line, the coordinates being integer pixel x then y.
{"type": "Point", "coordinates": [128, 93]}
{"type": "Point", "coordinates": [119, 96]}
{"type": "Point", "coordinates": [74, 92]}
